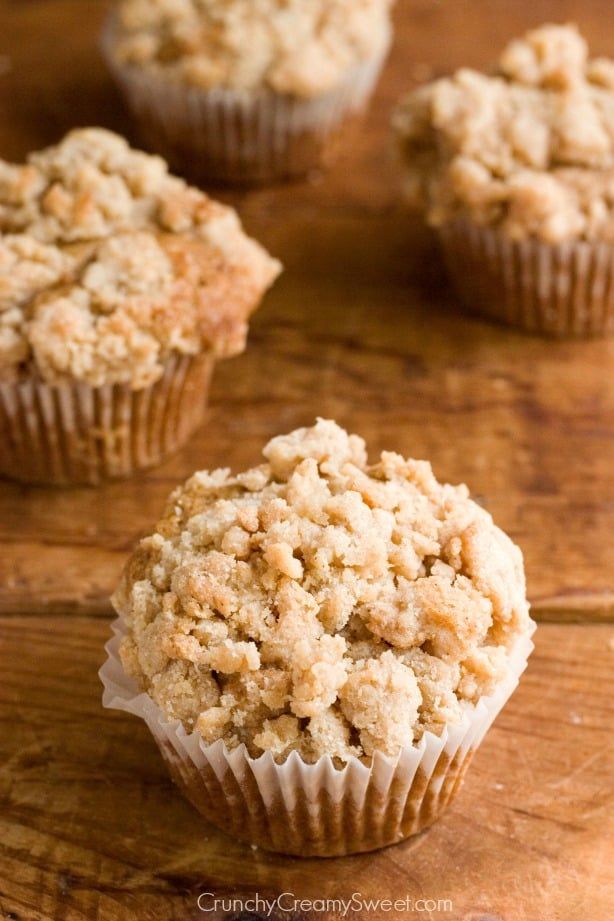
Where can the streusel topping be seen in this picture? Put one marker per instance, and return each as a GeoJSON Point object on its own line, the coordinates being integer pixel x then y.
{"type": "Point", "coordinates": [108, 264]}
{"type": "Point", "coordinates": [302, 47]}
{"type": "Point", "coordinates": [529, 149]}
{"type": "Point", "coordinates": [321, 605]}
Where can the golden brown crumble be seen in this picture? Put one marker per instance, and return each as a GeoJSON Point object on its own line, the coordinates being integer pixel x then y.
{"type": "Point", "coordinates": [321, 605]}
{"type": "Point", "coordinates": [529, 149]}
{"type": "Point", "coordinates": [108, 264]}
{"type": "Point", "coordinates": [302, 47]}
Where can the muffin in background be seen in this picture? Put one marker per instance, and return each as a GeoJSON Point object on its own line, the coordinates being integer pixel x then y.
{"type": "Point", "coordinates": [120, 286]}
{"type": "Point", "coordinates": [319, 645]}
{"type": "Point", "coordinates": [246, 91]}
{"type": "Point", "coordinates": [515, 171]}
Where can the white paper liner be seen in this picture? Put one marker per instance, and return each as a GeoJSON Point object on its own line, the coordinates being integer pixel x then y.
{"type": "Point", "coordinates": [239, 136]}
{"type": "Point", "coordinates": [314, 809]}
{"type": "Point", "coordinates": [562, 290]}
{"type": "Point", "coordinates": [76, 434]}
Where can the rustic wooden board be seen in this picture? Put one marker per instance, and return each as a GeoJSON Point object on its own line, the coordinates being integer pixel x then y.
{"type": "Point", "coordinates": [361, 327]}
{"type": "Point", "coordinates": [90, 827]}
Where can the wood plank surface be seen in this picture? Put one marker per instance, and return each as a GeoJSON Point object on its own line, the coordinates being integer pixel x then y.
{"type": "Point", "coordinates": [361, 327]}
{"type": "Point", "coordinates": [92, 830]}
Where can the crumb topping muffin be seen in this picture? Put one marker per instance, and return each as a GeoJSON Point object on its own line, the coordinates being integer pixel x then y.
{"type": "Point", "coordinates": [528, 149]}
{"type": "Point", "coordinates": [108, 264]}
{"type": "Point", "coordinates": [300, 47]}
{"type": "Point", "coordinates": [320, 604]}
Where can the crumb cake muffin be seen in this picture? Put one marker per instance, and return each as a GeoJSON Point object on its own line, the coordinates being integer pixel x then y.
{"type": "Point", "coordinates": [119, 287]}
{"type": "Point", "coordinates": [246, 90]}
{"type": "Point", "coordinates": [515, 170]}
{"type": "Point", "coordinates": [316, 625]}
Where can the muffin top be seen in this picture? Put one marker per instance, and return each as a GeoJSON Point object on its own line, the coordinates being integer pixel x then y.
{"type": "Point", "coordinates": [301, 47]}
{"type": "Point", "coordinates": [529, 149]}
{"type": "Point", "coordinates": [108, 265]}
{"type": "Point", "coordinates": [321, 605]}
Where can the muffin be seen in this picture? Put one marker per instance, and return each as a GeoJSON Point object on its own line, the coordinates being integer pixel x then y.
{"type": "Point", "coordinates": [318, 645]}
{"type": "Point", "coordinates": [246, 91]}
{"type": "Point", "coordinates": [515, 171]}
{"type": "Point", "coordinates": [120, 286]}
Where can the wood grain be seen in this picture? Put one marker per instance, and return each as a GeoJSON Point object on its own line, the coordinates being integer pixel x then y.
{"type": "Point", "coordinates": [528, 425]}
{"type": "Point", "coordinates": [364, 328]}
{"type": "Point", "coordinates": [90, 827]}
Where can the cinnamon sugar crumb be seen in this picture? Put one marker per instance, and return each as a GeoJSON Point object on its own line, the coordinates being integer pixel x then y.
{"type": "Point", "coordinates": [528, 149]}
{"type": "Point", "coordinates": [108, 265]}
{"type": "Point", "coordinates": [353, 607]}
{"type": "Point", "coordinates": [303, 47]}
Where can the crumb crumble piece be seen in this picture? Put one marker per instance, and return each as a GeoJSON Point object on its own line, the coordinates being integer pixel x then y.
{"type": "Point", "coordinates": [300, 47]}
{"type": "Point", "coordinates": [320, 604]}
{"type": "Point", "coordinates": [528, 149]}
{"type": "Point", "coordinates": [108, 265]}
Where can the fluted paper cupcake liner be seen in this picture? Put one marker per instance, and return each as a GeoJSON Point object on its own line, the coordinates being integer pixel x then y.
{"type": "Point", "coordinates": [314, 809]}
{"type": "Point", "coordinates": [239, 136]}
{"type": "Point", "coordinates": [76, 434]}
{"type": "Point", "coordinates": [564, 290]}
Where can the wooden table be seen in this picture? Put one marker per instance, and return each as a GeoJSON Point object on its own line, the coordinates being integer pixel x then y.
{"type": "Point", "coordinates": [363, 328]}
